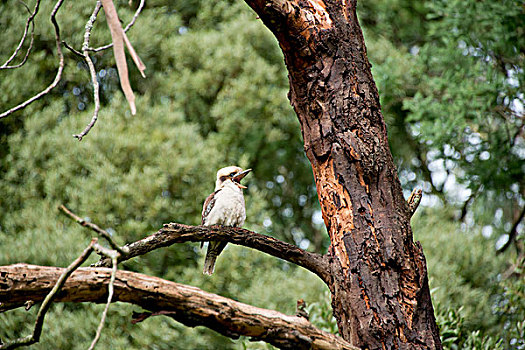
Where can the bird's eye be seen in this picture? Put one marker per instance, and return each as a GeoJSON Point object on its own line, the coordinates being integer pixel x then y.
{"type": "Point", "coordinates": [232, 174]}
{"type": "Point", "coordinates": [223, 178]}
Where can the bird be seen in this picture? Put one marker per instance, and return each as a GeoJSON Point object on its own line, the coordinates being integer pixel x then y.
{"type": "Point", "coordinates": [225, 206]}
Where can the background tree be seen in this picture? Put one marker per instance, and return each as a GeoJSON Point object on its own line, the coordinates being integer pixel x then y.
{"type": "Point", "coordinates": [242, 81]}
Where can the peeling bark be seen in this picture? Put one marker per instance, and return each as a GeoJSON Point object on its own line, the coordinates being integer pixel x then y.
{"type": "Point", "coordinates": [379, 283]}
{"type": "Point", "coordinates": [186, 304]}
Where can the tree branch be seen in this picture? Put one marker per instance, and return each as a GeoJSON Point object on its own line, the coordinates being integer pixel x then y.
{"type": "Point", "coordinates": [92, 71]}
{"type": "Point", "coordinates": [186, 304]}
{"type": "Point", "coordinates": [39, 323]}
{"type": "Point", "coordinates": [130, 24]}
{"type": "Point", "coordinates": [513, 231]}
{"type": "Point", "coordinates": [464, 208]}
{"type": "Point", "coordinates": [178, 233]}
{"type": "Point", "coordinates": [119, 39]}
{"type": "Point", "coordinates": [30, 22]}
{"type": "Point", "coordinates": [94, 227]}
{"type": "Point", "coordinates": [111, 288]}
{"type": "Point", "coordinates": [59, 71]}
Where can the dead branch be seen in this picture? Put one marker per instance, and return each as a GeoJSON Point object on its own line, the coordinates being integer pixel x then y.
{"type": "Point", "coordinates": [72, 49]}
{"type": "Point", "coordinates": [117, 35]}
{"type": "Point", "coordinates": [92, 71]}
{"type": "Point", "coordinates": [177, 233]}
{"type": "Point", "coordinates": [186, 304]}
{"type": "Point", "coordinates": [93, 227]}
{"type": "Point", "coordinates": [37, 331]}
{"type": "Point", "coordinates": [464, 208]}
{"type": "Point", "coordinates": [57, 286]}
{"type": "Point", "coordinates": [134, 56]}
{"type": "Point", "coordinates": [130, 24]}
{"type": "Point", "coordinates": [29, 22]}
{"type": "Point", "coordinates": [110, 298]}
{"type": "Point", "coordinates": [59, 71]}
{"type": "Point", "coordinates": [513, 231]}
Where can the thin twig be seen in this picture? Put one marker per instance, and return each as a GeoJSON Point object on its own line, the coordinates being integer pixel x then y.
{"type": "Point", "coordinates": [130, 24]}
{"type": "Point", "coordinates": [72, 49]}
{"type": "Point", "coordinates": [136, 59]}
{"type": "Point", "coordinates": [92, 71]}
{"type": "Point", "coordinates": [30, 22]}
{"type": "Point", "coordinates": [110, 297]}
{"type": "Point", "coordinates": [464, 208]}
{"type": "Point", "coordinates": [37, 331]}
{"type": "Point", "coordinates": [513, 232]}
{"type": "Point", "coordinates": [59, 71]}
{"type": "Point", "coordinates": [515, 269]}
{"type": "Point", "coordinates": [94, 227]}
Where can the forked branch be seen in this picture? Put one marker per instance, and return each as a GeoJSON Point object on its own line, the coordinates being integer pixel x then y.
{"type": "Point", "coordinates": [9, 301]}
{"type": "Point", "coordinates": [58, 75]}
{"type": "Point", "coordinates": [177, 233]}
{"type": "Point", "coordinates": [92, 71]}
{"type": "Point", "coordinates": [29, 23]}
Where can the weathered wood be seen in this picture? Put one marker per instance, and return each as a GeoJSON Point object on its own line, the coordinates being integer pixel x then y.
{"type": "Point", "coordinates": [379, 283]}
{"type": "Point", "coordinates": [186, 304]}
{"type": "Point", "coordinates": [177, 233]}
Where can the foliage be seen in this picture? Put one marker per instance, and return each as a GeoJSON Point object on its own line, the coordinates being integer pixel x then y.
{"type": "Point", "coordinates": [466, 284]}
{"type": "Point", "coordinates": [450, 76]}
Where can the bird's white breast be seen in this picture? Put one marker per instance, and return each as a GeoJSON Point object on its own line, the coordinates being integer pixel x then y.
{"type": "Point", "coordinates": [229, 208]}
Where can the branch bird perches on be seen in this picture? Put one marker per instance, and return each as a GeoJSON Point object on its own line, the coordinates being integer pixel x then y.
{"type": "Point", "coordinates": [289, 334]}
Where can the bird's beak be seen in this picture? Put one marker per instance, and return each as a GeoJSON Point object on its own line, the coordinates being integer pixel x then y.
{"type": "Point", "coordinates": [239, 176]}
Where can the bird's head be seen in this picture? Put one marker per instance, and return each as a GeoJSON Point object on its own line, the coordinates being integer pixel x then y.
{"type": "Point", "coordinates": [231, 173]}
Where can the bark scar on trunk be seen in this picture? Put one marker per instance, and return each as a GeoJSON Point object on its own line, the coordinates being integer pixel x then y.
{"type": "Point", "coordinates": [336, 208]}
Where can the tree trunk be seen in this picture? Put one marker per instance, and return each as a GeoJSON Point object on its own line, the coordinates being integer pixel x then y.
{"type": "Point", "coordinates": [379, 284]}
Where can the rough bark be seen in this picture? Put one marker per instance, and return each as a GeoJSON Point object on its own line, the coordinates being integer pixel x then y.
{"type": "Point", "coordinates": [178, 233]}
{"type": "Point", "coordinates": [379, 285]}
{"type": "Point", "coordinates": [186, 304]}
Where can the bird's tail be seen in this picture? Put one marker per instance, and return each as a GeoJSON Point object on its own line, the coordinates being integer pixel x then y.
{"type": "Point", "coordinates": [214, 249]}
{"type": "Point", "coordinates": [209, 265]}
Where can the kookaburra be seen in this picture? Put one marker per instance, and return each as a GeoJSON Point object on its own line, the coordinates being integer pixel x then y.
{"type": "Point", "coordinates": [224, 207]}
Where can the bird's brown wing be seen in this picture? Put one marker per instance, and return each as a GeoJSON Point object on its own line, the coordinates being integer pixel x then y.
{"type": "Point", "coordinates": [208, 206]}
{"type": "Point", "coordinates": [206, 209]}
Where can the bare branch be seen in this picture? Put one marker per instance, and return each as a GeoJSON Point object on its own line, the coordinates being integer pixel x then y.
{"type": "Point", "coordinates": [95, 228]}
{"type": "Point", "coordinates": [29, 22]}
{"type": "Point", "coordinates": [178, 233]}
{"type": "Point", "coordinates": [72, 49]}
{"type": "Point", "coordinates": [118, 50]}
{"type": "Point", "coordinates": [130, 24]}
{"type": "Point", "coordinates": [92, 71]}
{"type": "Point", "coordinates": [186, 304]}
{"type": "Point", "coordinates": [136, 59]}
{"type": "Point", "coordinates": [513, 231]}
{"type": "Point", "coordinates": [110, 297]}
{"type": "Point", "coordinates": [59, 71]}
{"type": "Point", "coordinates": [37, 331]}
{"type": "Point", "coordinates": [465, 206]}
